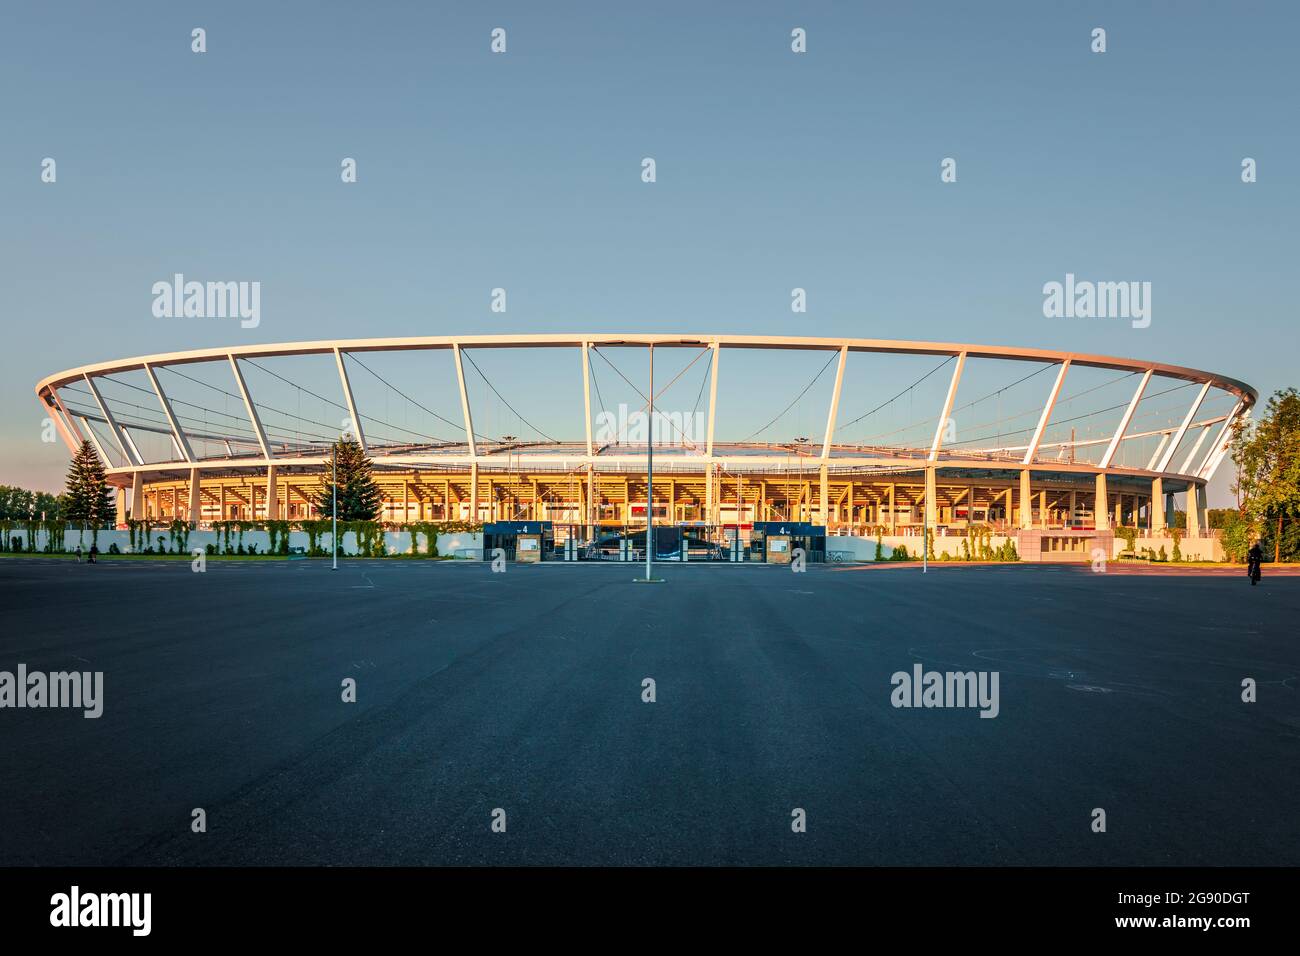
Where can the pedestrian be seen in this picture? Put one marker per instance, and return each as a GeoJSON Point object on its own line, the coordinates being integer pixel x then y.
{"type": "Point", "coordinates": [1254, 558]}
{"type": "Point", "coordinates": [94, 550]}
{"type": "Point", "coordinates": [78, 552]}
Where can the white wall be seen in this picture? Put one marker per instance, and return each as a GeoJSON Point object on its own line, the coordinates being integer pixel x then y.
{"type": "Point", "coordinates": [395, 542]}
{"type": "Point", "coordinates": [864, 549]}
{"type": "Point", "coordinates": [1193, 549]}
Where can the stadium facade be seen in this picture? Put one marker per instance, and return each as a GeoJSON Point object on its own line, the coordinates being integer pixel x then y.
{"type": "Point", "coordinates": [1037, 480]}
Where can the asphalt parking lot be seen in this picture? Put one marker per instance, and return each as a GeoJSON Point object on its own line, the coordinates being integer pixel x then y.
{"type": "Point", "coordinates": [523, 692]}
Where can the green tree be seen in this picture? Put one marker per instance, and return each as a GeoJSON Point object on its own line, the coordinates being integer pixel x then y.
{"type": "Point", "coordinates": [358, 495]}
{"type": "Point", "coordinates": [88, 499]}
{"type": "Point", "coordinates": [1267, 456]}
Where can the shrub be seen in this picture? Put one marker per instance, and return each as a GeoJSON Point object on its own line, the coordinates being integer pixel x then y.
{"type": "Point", "coordinates": [1236, 536]}
{"type": "Point", "coordinates": [114, 549]}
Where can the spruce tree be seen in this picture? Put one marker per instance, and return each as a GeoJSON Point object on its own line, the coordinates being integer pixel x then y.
{"type": "Point", "coordinates": [87, 499]}
{"type": "Point", "coordinates": [358, 495]}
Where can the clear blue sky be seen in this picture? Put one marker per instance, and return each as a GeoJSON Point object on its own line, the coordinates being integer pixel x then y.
{"type": "Point", "coordinates": [522, 171]}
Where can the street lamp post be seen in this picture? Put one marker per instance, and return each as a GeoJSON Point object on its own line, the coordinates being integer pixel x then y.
{"type": "Point", "coordinates": [510, 478]}
{"type": "Point", "coordinates": [650, 470]}
{"type": "Point", "coordinates": [334, 506]}
{"type": "Point", "coordinates": [800, 441]}
{"type": "Point", "coordinates": [925, 534]}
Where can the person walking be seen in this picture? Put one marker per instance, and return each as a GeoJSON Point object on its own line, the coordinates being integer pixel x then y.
{"type": "Point", "coordinates": [94, 550]}
{"type": "Point", "coordinates": [78, 552]}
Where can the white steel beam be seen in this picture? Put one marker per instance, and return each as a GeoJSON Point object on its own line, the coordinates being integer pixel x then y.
{"type": "Point", "coordinates": [835, 403]}
{"type": "Point", "coordinates": [1221, 444]}
{"type": "Point", "coordinates": [113, 427]}
{"type": "Point", "coordinates": [947, 407]}
{"type": "Point", "coordinates": [586, 392]}
{"type": "Point", "coordinates": [1124, 422]}
{"type": "Point", "coordinates": [1182, 429]}
{"type": "Point", "coordinates": [713, 398]}
{"type": "Point", "coordinates": [94, 440]}
{"type": "Point", "coordinates": [130, 442]}
{"type": "Point", "coordinates": [183, 443]}
{"type": "Point", "coordinates": [352, 405]}
{"type": "Point", "coordinates": [58, 415]}
{"type": "Point", "coordinates": [1191, 455]}
{"type": "Point", "coordinates": [1043, 419]}
{"type": "Point", "coordinates": [1164, 440]}
{"type": "Point", "coordinates": [469, 419]}
{"type": "Point", "coordinates": [884, 346]}
{"type": "Point", "coordinates": [253, 417]}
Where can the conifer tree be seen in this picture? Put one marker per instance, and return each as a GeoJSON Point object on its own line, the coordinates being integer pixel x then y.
{"type": "Point", "coordinates": [87, 500]}
{"type": "Point", "coordinates": [358, 495]}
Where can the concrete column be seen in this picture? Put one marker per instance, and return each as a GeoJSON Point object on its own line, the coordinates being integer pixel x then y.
{"type": "Point", "coordinates": [893, 514]}
{"type": "Point", "coordinates": [931, 499]}
{"type": "Point", "coordinates": [1026, 502]}
{"type": "Point", "coordinates": [708, 493]}
{"type": "Point", "coordinates": [1074, 506]}
{"type": "Point", "coordinates": [823, 498]}
{"type": "Point", "coordinates": [1119, 509]}
{"type": "Point", "coordinates": [589, 511]}
{"type": "Point", "coordinates": [1193, 512]}
{"type": "Point", "coordinates": [196, 497]}
{"type": "Point", "coordinates": [473, 492]}
{"type": "Point", "coordinates": [1042, 509]}
{"type": "Point", "coordinates": [1100, 510]}
{"type": "Point", "coordinates": [406, 502]}
{"type": "Point", "coordinates": [1157, 504]}
{"type": "Point", "coordinates": [272, 494]}
{"type": "Point", "coordinates": [137, 496]}
{"type": "Point", "coordinates": [121, 506]}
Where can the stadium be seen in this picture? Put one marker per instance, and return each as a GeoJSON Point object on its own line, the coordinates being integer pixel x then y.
{"type": "Point", "coordinates": [871, 439]}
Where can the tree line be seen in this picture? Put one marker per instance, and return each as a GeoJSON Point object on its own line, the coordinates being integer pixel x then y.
{"type": "Point", "coordinates": [1267, 484]}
